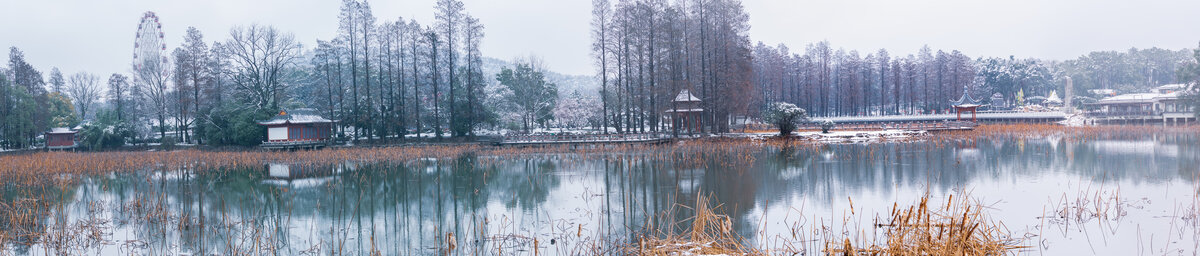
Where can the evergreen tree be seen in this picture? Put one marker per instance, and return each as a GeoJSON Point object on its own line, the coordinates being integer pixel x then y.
{"type": "Point", "coordinates": [534, 97]}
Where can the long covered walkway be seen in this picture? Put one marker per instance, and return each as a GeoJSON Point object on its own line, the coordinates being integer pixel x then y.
{"type": "Point", "coordinates": [982, 117]}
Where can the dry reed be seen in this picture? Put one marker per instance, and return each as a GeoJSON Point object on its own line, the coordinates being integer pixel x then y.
{"type": "Point", "coordinates": [710, 233]}
{"type": "Point", "coordinates": [960, 227]}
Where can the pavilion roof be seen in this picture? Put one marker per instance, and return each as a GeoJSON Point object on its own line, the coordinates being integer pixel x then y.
{"type": "Point", "coordinates": [1053, 98]}
{"type": "Point", "coordinates": [685, 96]}
{"type": "Point", "coordinates": [60, 130]}
{"type": "Point", "coordinates": [296, 116]}
{"type": "Point", "coordinates": [966, 100]}
{"type": "Point", "coordinates": [1137, 98]}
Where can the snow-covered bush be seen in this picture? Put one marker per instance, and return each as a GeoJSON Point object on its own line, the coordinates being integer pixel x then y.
{"type": "Point", "coordinates": [106, 132]}
{"type": "Point", "coordinates": [785, 116]}
{"type": "Point", "coordinates": [826, 125]}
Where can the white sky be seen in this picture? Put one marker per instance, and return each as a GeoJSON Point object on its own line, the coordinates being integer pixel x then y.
{"type": "Point", "coordinates": [97, 36]}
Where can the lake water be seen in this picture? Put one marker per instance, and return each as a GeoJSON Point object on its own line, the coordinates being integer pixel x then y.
{"type": "Point", "coordinates": [1055, 196]}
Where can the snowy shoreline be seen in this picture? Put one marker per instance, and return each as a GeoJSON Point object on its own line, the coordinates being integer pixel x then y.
{"type": "Point", "coordinates": [842, 136]}
{"type": "Point", "coordinates": [814, 136]}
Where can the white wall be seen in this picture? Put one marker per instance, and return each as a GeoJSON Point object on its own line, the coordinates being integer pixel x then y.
{"type": "Point", "coordinates": [277, 133]}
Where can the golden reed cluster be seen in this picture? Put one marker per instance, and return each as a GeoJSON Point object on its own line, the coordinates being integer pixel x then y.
{"type": "Point", "coordinates": [43, 167]}
{"type": "Point", "coordinates": [959, 227]}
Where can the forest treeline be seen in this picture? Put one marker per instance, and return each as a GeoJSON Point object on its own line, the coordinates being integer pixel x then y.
{"type": "Point", "coordinates": [379, 78]}
{"type": "Point", "coordinates": [391, 79]}
{"type": "Point", "coordinates": [840, 82]}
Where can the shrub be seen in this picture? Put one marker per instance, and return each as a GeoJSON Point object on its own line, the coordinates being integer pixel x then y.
{"type": "Point", "coordinates": [106, 132]}
{"type": "Point", "coordinates": [785, 116]}
{"type": "Point", "coordinates": [232, 124]}
{"type": "Point", "coordinates": [826, 125]}
{"type": "Point", "coordinates": [168, 142]}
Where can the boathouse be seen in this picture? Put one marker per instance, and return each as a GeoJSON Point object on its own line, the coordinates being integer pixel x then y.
{"type": "Point", "coordinates": [299, 128]}
{"type": "Point", "coordinates": [60, 138]}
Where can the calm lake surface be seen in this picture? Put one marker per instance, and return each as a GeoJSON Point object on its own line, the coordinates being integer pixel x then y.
{"type": "Point", "coordinates": [1055, 196]}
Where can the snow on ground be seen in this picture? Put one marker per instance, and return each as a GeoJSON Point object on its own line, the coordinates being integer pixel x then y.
{"type": "Point", "coordinates": [688, 249]}
{"type": "Point", "coordinates": [425, 135]}
{"type": "Point", "coordinates": [845, 136]}
{"type": "Point", "coordinates": [861, 136]}
{"type": "Point", "coordinates": [1074, 120]}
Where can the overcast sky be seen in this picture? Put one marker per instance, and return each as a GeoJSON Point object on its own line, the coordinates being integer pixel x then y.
{"type": "Point", "coordinates": [97, 36]}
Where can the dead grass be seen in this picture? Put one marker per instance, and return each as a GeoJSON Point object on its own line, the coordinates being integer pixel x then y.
{"type": "Point", "coordinates": [45, 168]}
{"type": "Point", "coordinates": [710, 233]}
{"type": "Point", "coordinates": [1080, 133]}
{"type": "Point", "coordinates": [959, 227]}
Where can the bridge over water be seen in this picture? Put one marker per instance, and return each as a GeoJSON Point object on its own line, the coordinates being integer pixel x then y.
{"type": "Point", "coordinates": [577, 139]}
{"type": "Point", "coordinates": [936, 122]}
{"type": "Point", "coordinates": [981, 117]}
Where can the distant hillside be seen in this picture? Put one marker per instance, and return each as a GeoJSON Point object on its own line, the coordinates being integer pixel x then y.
{"type": "Point", "coordinates": [587, 85]}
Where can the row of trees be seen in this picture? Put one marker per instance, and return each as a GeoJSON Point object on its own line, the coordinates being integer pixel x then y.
{"type": "Point", "coordinates": [1189, 73]}
{"type": "Point", "coordinates": [647, 51]}
{"type": "Point", "coordinates": [27, 108]}
{"type": "Point", "coordinates": [386, 80]}
{"type": "Point", "coordinates": [399, 77]}
{"type": "Point", "coordinates": [830, 82]}
{"type": "Point", "coordinates": [380, 79]}
{"type": "Point", "coordinates": [207, 94]}
{"type": "Point", "coordinates": [1133, 70]}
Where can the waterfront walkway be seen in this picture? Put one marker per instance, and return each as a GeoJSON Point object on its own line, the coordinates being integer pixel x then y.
{"type": "Point", "coordinates": [981, 117]}
{"type": "Point", "coordinates": [535, 140]}
{"type": "Point", "coordinates": [903, 126]}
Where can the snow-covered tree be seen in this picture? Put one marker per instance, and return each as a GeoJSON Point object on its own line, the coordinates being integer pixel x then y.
{"type": "Point", "coordinates": [57, 82]}
{"type": "Point", "coordinates": [151, 78]}
{"type": "Point", "coordinates": [576, 110]}
{"type": "Point", "coordinates": [119, 95]}
{"type": "Point", "coordinates": [84, 90]}
{"type": "Point", "coordinates": [1189, 73]}
{"type": "Point", "coordinates": [262, 58]}
{"type": "Point", "coordinates": [534, 97]}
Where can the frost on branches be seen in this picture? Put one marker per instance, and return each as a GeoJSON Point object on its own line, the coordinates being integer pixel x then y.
{"type": "Point", "coordinates": [577, 111]}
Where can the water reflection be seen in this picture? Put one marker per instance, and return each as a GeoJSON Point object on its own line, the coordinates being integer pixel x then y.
{"type": "Point", "coordinates": [559, 204]}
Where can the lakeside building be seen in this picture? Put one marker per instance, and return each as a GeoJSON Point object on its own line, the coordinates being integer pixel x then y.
{"type": "Point", "coordinates": [1162, 104]}
{"type": "Point", "coordinates": [966, 104]}
{"type": "Point", "coordinates": [61, 138]}
{"type": "Point", "coordinates": [299, 128]}
{"type": "Point", "coordinates": [686, 113]}
{"type": "Point", "coordinates": [997, 102]}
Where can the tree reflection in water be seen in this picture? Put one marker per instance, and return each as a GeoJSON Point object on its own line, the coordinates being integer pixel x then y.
{"type": "Point", "coordinates": [562, 203]}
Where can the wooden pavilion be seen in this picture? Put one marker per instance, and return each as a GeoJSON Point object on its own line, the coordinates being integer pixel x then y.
{"type": "Point", "coordinates": [966, 103]}
{"type": "Point", "coordinates": [300, 128]}
{"type": "Point", "coordinates": [60, 138]}
{"type": "Point", "coordinates": [686, 113]}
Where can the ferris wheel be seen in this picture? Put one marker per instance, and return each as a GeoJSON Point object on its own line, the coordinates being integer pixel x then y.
{"type": "Point", "coordinates": [149, 48]}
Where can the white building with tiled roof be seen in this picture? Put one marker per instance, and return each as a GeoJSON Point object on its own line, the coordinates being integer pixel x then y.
{"type": "Point", "coordinates": [297, 128]}
{"type": "Point", "coordinates": [1162, 104]}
